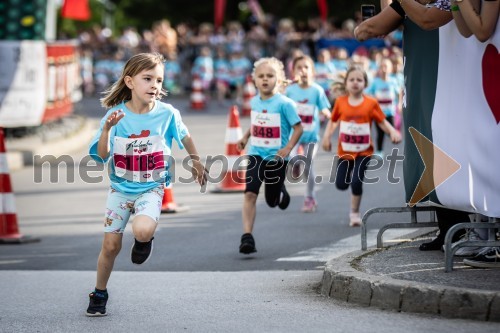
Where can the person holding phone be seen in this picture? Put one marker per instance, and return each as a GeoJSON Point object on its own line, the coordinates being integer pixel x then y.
{"type": "Point", "coordinates": [420, 35]}
{"type": "Point", "coordinates": [367, 11]}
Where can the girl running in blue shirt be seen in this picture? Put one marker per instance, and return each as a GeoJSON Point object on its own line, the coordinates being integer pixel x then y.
{"type": "Point", "coordinates": [136, 135]}
{"type": "Point", "coordinates": [311, 102]}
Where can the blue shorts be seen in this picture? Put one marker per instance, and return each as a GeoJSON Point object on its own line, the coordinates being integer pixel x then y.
{"type": "Point", "coordinates": [120, 206]}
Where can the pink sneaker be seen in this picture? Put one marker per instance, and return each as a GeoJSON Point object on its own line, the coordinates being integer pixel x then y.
{"type": "Point", "coordinates": [309, 205]}
{"type": "Point", "coordinates": [355, 220]}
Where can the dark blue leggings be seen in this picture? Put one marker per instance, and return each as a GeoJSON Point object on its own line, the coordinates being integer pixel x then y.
{"type": "Point", "coordinates": [351, 172]}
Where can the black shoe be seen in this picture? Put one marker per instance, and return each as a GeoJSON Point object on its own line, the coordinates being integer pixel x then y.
{"type": "Point", "coordinates": [247, 245]}
{"type": "Point", "coordinates": [285, 198]}
{"type": "Point", "coordinates": [434, 245]}
{"type": "Point", "coordinates": [141, 251]}
{"type": "Point", "coordinates": [97, 304]}
{"type": "Point", "coordinates": [488, 258]}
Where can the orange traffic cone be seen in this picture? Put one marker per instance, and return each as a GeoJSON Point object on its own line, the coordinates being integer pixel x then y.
{"type": "Point", "coordinates": [168, 204]}
{"type": "Point", "coordinates": [234, 179]}
{"type": "Point", "coordinates": [197, 97]}
{"type": "Point", "coordinates": [9, 231]}
{"type": "Point", "coordinates": [249, 91]}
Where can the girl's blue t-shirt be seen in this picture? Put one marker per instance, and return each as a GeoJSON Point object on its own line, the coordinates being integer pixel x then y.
{"type": "Point", "coordinates": [386, 93]}
{"type": "Point", "coordinates": [310, 101]}
{"type": "Point", "coordinates": [140, 147]}
{"type": "Point", "coordinates": [275, 116]}
{"type": "Point", "coordinates": [222, 69]}
{"type": "Point", "coordinates": [172, 70]}
{"type": "Point", "coordinates": [239, 69]}
{"type": "Point", "coordinates": [204, 68]}
{"type": "Point", "coordinates": [322, 73]}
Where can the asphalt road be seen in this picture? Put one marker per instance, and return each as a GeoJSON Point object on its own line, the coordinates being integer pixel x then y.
{"type": "Point", "coordinates": [196, 280]}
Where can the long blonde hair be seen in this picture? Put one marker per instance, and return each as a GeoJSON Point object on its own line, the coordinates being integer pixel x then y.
{"type": "Point", "coordinates": [119, 91]}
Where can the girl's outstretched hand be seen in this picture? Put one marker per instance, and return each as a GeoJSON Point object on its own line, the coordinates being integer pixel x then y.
{"type": "Point", "coordinates": [326, 144]}
{"type": "Point", "coordinates": [199, 172]}
{"type": "Point", "coordinates": [283, 152]}
{"type": "Point", "coordinates": [240, 145]}
{"type": "Point", "coordinates": [395, 136]}
{"type": "Point", "coordinates": [113, 119]}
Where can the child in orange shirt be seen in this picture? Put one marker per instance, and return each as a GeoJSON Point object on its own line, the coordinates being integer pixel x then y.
{"type": "Point", "coordinates": [354, 112]}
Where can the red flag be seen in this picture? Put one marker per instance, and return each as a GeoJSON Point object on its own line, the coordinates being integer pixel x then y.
{"type": "Point", "coordinates": [76, 10]}
{"type": "Point", "coordinates": [219, 10]}
{"type": "Point", "coordinates": [323, 9]}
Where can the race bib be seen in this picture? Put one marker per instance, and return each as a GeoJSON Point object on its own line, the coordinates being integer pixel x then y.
{"type": "Point", "coordinates": [385, 98]}
{"type": "Point", "coordinates": [306, 114]}
{"type": "Point", "coordinates": [265, 130]}
{"type": "Point", "coordinates": [354, 137]}
{"type": "Point", "coordinates": [139, 159]}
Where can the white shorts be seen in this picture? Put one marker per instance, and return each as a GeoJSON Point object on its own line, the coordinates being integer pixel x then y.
{"type": "Point", "coordinates": [120, 206]}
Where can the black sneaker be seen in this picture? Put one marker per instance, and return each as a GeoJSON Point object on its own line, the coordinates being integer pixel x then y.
{"type": "Point", "coordinates": [434, 245]}
{"type": "Point", "coordinates": [247, 245]}
{"type": "Point", "coordinates": [284, 198]}
{"type": "Point", "coordinates": [489, 258]}
{"type": "Point", "coordinates": [141, 251]}
{"type": "Point", "coordinates": [97, 304]}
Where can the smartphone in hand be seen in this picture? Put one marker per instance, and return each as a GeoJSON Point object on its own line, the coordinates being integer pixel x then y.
{"type": "Point", "coordinates": [367, 11]}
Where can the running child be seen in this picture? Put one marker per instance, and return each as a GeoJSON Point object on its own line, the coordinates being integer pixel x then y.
{"type": "Point", "coordinates": [275, 129]}
{"type": "Point", "coordinates": [386, 90]}
{"type": "Point", "coordinates": [353, 114]}
{"type": "Point", "coordinates": [311, 101]}
{"type": "Point", "coordinates": [136, 136]}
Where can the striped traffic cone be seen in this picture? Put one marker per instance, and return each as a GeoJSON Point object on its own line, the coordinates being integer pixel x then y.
{"type": "Point", "coordinates": [9, 231]}
{"type": "Point", "coordinates": [197, 96]}
{"type": "Point", "coordinates": [234, 179]}
{"type": "Point", "coordinates": [168, 204]}
{"type": "Point", "coordinates": [249, 91]}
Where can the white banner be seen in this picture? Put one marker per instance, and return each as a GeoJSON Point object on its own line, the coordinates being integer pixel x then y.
{"type": "Point", "coordinates": [22, 83]}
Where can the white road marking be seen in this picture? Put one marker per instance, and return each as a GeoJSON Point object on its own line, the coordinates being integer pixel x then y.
{"type": "Point", "coordinates": [345, 245]}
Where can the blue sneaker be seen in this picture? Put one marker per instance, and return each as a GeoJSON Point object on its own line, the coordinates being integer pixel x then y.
{"type": "Point", "coordinates": [97, 304]}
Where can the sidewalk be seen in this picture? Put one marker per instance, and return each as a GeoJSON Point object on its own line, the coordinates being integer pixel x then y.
{"type": "Point", "coordinates": [66, 136]}
{"type": "Point", "coordinates": [402, 278]}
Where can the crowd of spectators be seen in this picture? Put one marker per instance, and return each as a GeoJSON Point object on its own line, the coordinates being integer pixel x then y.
{"type": "Point", "coordinates": [103, 53]}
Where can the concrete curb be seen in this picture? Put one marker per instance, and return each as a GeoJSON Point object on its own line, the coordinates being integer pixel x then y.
{"type": "Point", "coordinates": [20, 152]}
{"type": "Point", "coordinates": [342, 281]}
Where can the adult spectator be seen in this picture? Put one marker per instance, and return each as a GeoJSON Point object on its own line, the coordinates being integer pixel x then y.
{"type": "Point", "coordinates": [421, 45]}
{"type": "Point", "coordinates": [165, 37]}
{"type": "Point", "coordinates": [476, 17]}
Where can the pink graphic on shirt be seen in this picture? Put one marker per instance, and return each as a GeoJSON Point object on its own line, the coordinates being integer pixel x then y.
{"type": "Point", "coordinates": [144, 134]}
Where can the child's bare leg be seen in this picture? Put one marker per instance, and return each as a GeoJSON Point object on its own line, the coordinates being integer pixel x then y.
{"type": "Point", "coordinates": [249, 211]}
{"type": "Point", "coordinates": [221, 91]}
{"type": "Point", "coordinates": [143, 228]}
{"type": "Point", "coordinates": [111, 246]}
{"type": "Point", "coordinates": [355, 203]}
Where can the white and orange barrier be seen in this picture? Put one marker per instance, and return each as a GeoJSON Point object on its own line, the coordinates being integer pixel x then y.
{"type": "Point", "coordinates": [249, 92]}
{"type": "Point", "coordinates": [234, 179]}
{"type": "Point", "coordinates": [197, 96]}
{"type": "Point", "coordinates": [40, 82]}
{"type": "Point", "coordinates": [9, 230]}
{"type": "Point", "coordinates": [168, 204]}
